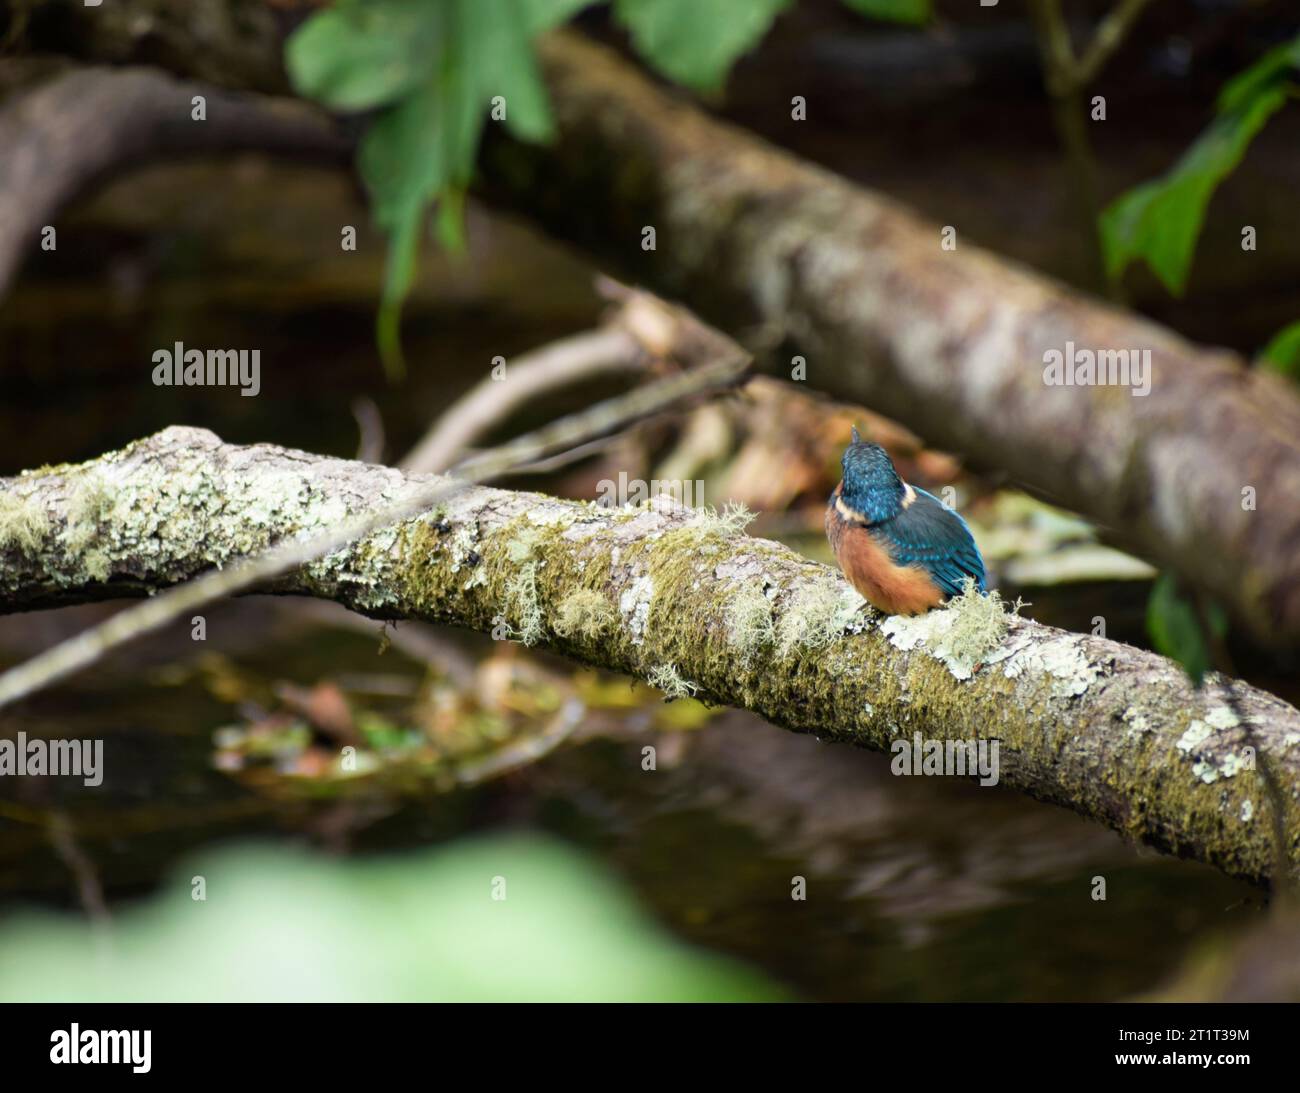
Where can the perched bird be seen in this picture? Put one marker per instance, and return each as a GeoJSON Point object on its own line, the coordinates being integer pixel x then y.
{"type": "Point", "coordinates": [900, 547]}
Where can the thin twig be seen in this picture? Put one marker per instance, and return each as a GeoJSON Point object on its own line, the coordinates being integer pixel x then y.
{"type": "Point", "coordinates": [729, 367]}
{"type": "Point", "coordinates": [493, 400]}
{"type": "Point", "coordinates": [1107, 38]}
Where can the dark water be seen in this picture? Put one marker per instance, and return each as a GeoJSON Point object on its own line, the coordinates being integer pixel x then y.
{"type": "Point", "coordinates": [915, 888]}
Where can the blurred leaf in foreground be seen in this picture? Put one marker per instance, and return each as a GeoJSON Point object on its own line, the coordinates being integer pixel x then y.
{"type": "Point", "coordinates": [280, 925]}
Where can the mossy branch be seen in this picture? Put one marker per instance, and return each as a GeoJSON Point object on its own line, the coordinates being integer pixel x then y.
{"type": "Point", "coordinates": [686, 600]}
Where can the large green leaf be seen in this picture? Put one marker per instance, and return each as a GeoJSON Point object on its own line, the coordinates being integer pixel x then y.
{"type": "Point", "coordinates": [1160, 221]}
{"type": "Point", "coordinates": [896, 11]}
{"type": "Point", "coordinates": [695, 42]}
{"type": "Point", "coordinates": [365, 55]}
{"type": "Point", "coordinates": [438, 66]}
{"type": "Point", "coordinates": [279, 925]}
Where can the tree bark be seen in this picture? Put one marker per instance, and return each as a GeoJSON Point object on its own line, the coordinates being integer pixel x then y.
{"type": "Point", "coordinates": [685, 601]}
{"type": "Point", "coordinates": [1201, 475]}
{"type": "Point", "coordinates": [66, 133]}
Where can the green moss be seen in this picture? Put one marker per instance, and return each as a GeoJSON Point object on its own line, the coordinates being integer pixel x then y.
{"type": "Point", "coordinates": [585, 614]}
{"type": "Point", "coordinates": [23, 522]}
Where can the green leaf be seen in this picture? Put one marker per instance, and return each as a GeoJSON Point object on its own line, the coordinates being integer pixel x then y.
{"type": "Point", "coordinates": [492, 919]}
{"type": "Point", "coordinates": [1270, 69]}
{"type": "Point", "coordinates": [695, 42]}
{"type": "Point", "coordinates": [1282, 354]}
{"type": "Point", "coordinates": [1160, 221]}
{"type": "Point", "coordinates": [896, 11]}
{"type": "Point", "coordinates": [424, 148]}
{"type": "Point", "coordinates": [1175, 630]}
{"type": "Point", "coordinates": [508, 67]}
{"type": "Point", "coordinates": [540, 15]}
{"type": "Point", "coordinates": [362, 56]}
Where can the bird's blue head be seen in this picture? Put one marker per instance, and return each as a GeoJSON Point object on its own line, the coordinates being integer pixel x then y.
{"type": "Point", "coordinates": [872, 487]}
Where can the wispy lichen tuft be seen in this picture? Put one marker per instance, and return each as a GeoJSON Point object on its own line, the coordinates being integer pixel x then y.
{"type": "Point", "coordinates": [89, 505]}
{"type": "Point", "coordinates": [979, 623]}
{"type": "Point", "coordinates": [734, 518]}
{"type": "Point", "coordinates": [668, 679]}
{"type": "Point", "coordinates": [585, 614]}
{"type": "Point", "coordinates": [817, 614]}
{"type": "Point", "coordinates": [749, 622]}
{"type": "Point", "coordinates": [962, 635]}
{"type": "Point", "coordinates": [23, 522]}
{"type": "Point", "coordinates": [522, 594]}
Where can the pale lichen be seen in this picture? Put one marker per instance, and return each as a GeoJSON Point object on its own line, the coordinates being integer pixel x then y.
{"type": "Point", "coordinates": [584, 613]}
{"type": "Point", "coordinates": [1061, 660]}
{"type": "Point", "coordinates": [666, 678]}
{"type": "Point", "coordinates": [24, 522]}
{"type": "Point", "coordinates": [961, 635]}
{"type": "Point", "coordinates": [521, 591]}
{"type": "Point", "coordinates": [1197, 733]}
{"type": "Point", "coordinates": [90, 504]}
{"type": "Point", "coordinates": [750, 627]}
{"type": "Point", "coordinates": [817, 614]}
{"type": "Point", "coordinates": [734, 518]}
{"type": "Point", "coordinates": [634, 605]}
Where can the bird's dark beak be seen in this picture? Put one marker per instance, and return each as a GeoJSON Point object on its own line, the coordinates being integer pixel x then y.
{"type": "Point", "coordinates": [856, 439]}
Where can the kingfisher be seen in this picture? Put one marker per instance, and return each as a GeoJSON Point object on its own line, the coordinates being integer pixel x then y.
{"type": "Point", "coordinates": [903, 549]}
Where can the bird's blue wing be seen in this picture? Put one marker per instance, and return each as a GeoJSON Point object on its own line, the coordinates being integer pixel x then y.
{"type": "Point", "coordinates": [934, 537]}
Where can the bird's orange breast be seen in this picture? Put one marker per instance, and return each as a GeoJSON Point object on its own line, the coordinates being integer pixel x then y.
{"type": "Point", "coordinates": [888, 587]}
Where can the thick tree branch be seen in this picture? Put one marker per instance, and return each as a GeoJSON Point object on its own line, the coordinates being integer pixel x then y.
{"type": "Point", "coordinates": [951, 343]}
{"type": "Point", "coordinates": [64, 134]}
{"type": "Point", "coordinates": [681, 599]}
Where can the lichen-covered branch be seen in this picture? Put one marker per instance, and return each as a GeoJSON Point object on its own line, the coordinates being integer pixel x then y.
{"type": "Point", "coordinates": [685, 600]}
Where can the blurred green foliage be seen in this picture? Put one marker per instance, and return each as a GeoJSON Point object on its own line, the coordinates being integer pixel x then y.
{"type": "Point", "coordinates": [695, 42]}
{"type": "Point", "coordinates": [431, 69]}
{"type": "Point", "coordinates": [281, 925]}
{"type": "Point", "coordinates": [896, 11]}
{"type": "Point", "coordinates": [1282, 354]}
{"type": "Point", "coordinates": [1175, 630]}
{"type": "Point", "coordinates": [1160, 221]}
